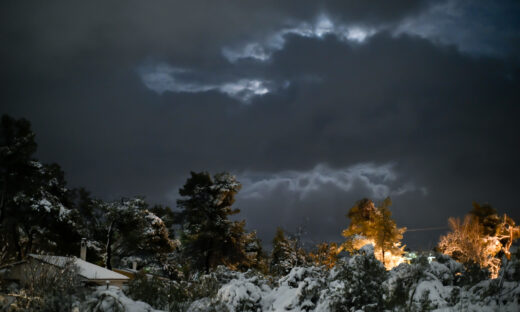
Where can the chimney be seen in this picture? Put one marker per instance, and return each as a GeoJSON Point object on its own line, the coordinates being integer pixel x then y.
{"type": "Point", "coordinates": [134, 265]}
{"type": "Point", "coordinates": [83, 252]}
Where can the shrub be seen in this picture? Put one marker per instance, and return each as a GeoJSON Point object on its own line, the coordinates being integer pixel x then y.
{"type": "Point", "coordinates": [363, 276]}
{"type": "Point", "coordinates": [150, 289]}
{"type": "Point", "coordinates": [49, 288]}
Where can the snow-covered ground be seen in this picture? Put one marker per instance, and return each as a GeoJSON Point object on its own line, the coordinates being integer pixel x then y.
{"type": "Point", "coordinates": [412, 287]}
{"type": "Point", "coordinates": [111, 300]}
{"type": "Point", "coordinates": [358, 283]}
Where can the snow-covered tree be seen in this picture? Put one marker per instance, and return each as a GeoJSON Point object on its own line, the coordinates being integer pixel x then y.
{"type": "Point", "coordinates": [168, 216]}
{"type": "Point", "coordinates": [90, 223]}
{"type": "Point", "coordinates": [33, 204]}
{"type": "Point", "coordinates": [132, 230]}
{"type": "Point", "coordinates": [208, 237]}
{"type": "Point", "coordinates": [286, 254]}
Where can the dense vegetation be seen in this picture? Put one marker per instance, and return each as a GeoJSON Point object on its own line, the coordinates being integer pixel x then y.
{"type": "Point", "coordinates": [197, 258]}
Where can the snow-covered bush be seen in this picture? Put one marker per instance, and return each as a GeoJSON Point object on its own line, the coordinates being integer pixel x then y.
{"type": "Point", "coordinates": [48, 288]}
{"type": "Point", "coordinates": [510, 269]}
{"type": "Point", "coordinates": [207, 285]}
{"type": "Point", "coordinates": [358, 283]}
{"type": "Point", "coordinates": [362, 277]}
{"type": "Point", "coordinates": [429, 294]}
{"type": "Point", "coordinates": [182, 294]}
{"type": "Point", "coordinates": [150, 289]}
{"type": "Point", "coordinates": [113, 300]}
{"type": "Point", "coordinates": [418, 285]}
{"type": "Point", "coordinates": [207, 305]}
{"type": "Point", "coordinates": [300, 290]}
{"type": "Point", "coordinates": [397, 294]}
{"type": "Point", "coordinates": [454, 266]}
{"type": "Point", "coordinates": [243, 294]}
{"type": "Point", "coordinates": [472, 274]}
{"type": "Point", "coordinates": [425, 303]}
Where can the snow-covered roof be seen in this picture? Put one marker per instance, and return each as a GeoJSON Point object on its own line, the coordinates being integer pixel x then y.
{"type": "Point", "coordinates": [85, 269]}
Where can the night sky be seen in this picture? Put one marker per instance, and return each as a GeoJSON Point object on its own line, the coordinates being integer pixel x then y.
{"type": "Point", "coordinates": [312, 106]}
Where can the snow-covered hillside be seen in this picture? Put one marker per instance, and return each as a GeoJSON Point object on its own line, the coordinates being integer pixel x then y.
{"type": "Point", "coordinates": [361, 284]}
{"type": "Point", "coordinates": [357, 283]}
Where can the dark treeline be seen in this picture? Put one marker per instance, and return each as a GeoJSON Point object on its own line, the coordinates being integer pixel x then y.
{"type": "Point", "coordinates": [195, 258]}
{"type": "Point", "coordinates": [40, 214]}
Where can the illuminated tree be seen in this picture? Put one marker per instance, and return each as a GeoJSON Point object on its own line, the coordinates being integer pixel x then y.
{"type": "Point", "coordinates": [482, 238]}
{"type": "Point", "coordinates": [374, 225]}
{"type": "Point", "coordinates": [326, 254]}
{"type": "Point", "coordinates": [388, 236]}
{"type": "Point", "coordinates": [467, 243]}
{"type": "Point", "coordinates": [507, 233]}
{"type": "Point", "coordinates": [493, 225]}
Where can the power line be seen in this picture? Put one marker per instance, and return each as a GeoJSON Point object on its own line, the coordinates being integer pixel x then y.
{"type": "Point", "coordinates": [427, 229]}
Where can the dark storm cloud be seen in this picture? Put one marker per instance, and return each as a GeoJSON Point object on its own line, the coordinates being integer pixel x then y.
{"type": "Point", "coordinates": [317, 194]}
{"type": "Point", "coordinates": [376, 179]}
{"type": "Point", "coordinates": [164, 78]}
{"type": "Point", "coordinates": [410, 99]}
{"type": "Point", "coordinates": [476, 27]}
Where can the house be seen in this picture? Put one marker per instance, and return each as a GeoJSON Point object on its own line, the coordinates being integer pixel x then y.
{"type": "Point", "coordinates": [88, 273]}
{"type": "Point", "coordinates": [35, 265]}
{"type": "Point", "coordinates": [133, 273]}
{"type": "Point", "coordinates": [130, 273]}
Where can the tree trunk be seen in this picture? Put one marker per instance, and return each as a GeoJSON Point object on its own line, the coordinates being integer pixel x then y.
{"type": "Point", "coordinates": [16, 240]}
{"type": "Point", "coordinates": [28, 247]}
{"type": "Point", "coordinates": [108, 263]}
{"type": "Point", "coordinates": [2, 202]}
{"type": "Point", "coordinates": [207, 261]}
{"type": "Point", "coordinates": [383, 245]}
{"type": "Point", "coordinates": [2, 208]}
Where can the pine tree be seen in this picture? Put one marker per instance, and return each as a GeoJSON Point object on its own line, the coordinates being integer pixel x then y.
{"type": "Point", "coordinates": [168, 216]}
{"type": "Point", "coordinates": [256, 257]}
{"type": "Point", "coordinates": [38, 213]}
{"type": "Point", "coordinates": [90, 222]}
{"type": "Point", "coordinates": [132, 230]}
{"type": "Point", "coordinates": [208, 237]}
{"type": "Point", "coordinates": [374, 225]}
{"type": "Point", "coordinates": [388, 236]}
{"type": "Point", "coordinates": [33, 204]}
{"type": "Point", "coordinates": [286, 254]}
